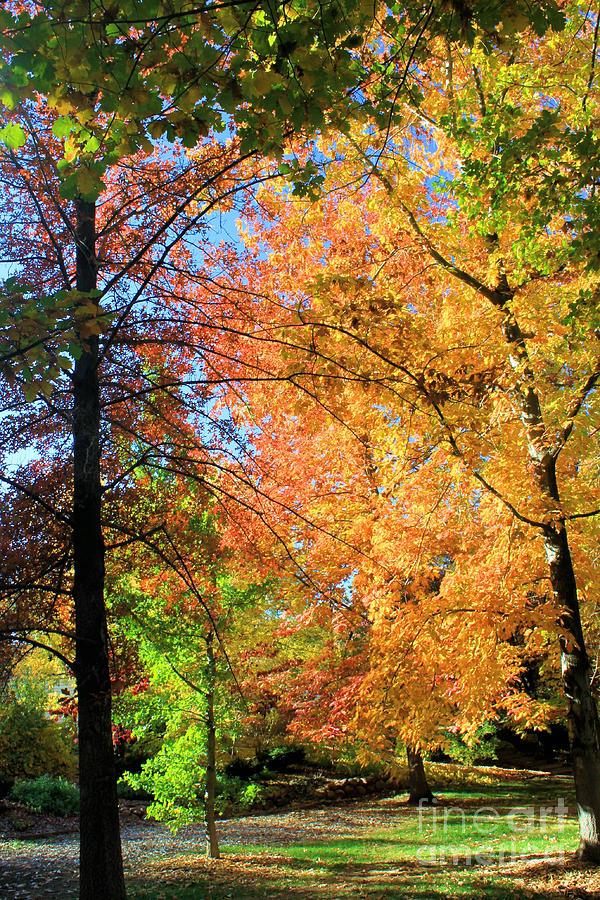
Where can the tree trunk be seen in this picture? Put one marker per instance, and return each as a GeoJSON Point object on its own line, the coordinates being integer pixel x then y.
{"type": "Point", "coordinates": [212, 842]}
{"type": "Point", "coordinates": [582, 711]}
{"type": "Point", "coordinates": [417, 779]}
{"type": "Point", "coordinates": [101, 867]}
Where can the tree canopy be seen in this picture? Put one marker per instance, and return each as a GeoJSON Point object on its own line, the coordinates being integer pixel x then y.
{"type": "Point", "coordinates": [351, 451]}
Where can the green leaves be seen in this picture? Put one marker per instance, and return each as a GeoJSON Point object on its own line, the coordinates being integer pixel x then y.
{"type": "Point", "coordinates": [89, 184]}
{"type": "Point", "coordinates": [63, 126]}
{"type": "Point", "coordinates": [40, 336]}
{"type": "Point", "coordinates": [7, 99]}
{"type": "Point", "coordinates": [13, 136]}
{"type": "Point", "coordinates": [114, 92]}
{"type": "Point", "coordinates": [297, 65]}
{"type": "Point", "coordinates": [546, 15]}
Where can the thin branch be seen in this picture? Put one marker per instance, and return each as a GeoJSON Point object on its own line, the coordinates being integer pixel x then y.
{"type": "Point", "coordinates": [62, 517]}
{"type": "Point", "coordinates": [573, 410]}
{"type": "Point", "coordinates": [21, 639]}
{"type": "Point", "coordinates": [584, 515]}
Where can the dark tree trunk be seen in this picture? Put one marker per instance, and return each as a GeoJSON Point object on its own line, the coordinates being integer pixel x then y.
{"type": "Point", "coordinates": [101, 867]}
{"type": "Point", "coordinates": [582, 712]}
{"type": "Point", "coordinates": [212, 842]}
{"type": "Point", "coordinates": [417, 779]}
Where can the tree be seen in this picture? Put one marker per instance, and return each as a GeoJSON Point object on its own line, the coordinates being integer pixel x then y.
{"type": "Point", "coordinates": [186, 620]}
{"type": "Point", "coordinates": [105, 374]}
{"type": "Point", "coordinates": [106, 81]}
{"type": "Point", "coordinates": [462, 306]}
{"type": "Point", "coordinates": [532, 245]}
{"type": "Point", "coordinates": [405, 594]}
{"type": "Point", "coordinates": [183, 699]}
{"type": "Point", "coordinates": [32, 742]}
{"type": "Point", "coordinates": [127, 82]}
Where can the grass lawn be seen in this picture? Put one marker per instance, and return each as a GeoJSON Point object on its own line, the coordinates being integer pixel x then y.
{"type": "Point", "coordinates": [500, 840]}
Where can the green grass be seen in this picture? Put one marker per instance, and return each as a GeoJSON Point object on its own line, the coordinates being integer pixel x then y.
{"type": "Point", "coordinates": [460, 848]}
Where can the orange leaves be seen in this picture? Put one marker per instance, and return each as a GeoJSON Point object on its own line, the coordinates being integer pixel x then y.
{"type": "Point", "coordinates": [395, 445]}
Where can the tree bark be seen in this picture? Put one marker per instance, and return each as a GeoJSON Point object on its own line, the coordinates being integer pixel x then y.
{"type": "Point", "coordinates": [582, 711]}
{"type": "Point", "coordinates": [420, 791]}
{"type": "Point", "coordinates": [212, 841]}
{"type": "Point", "coordinates": [101, 866]}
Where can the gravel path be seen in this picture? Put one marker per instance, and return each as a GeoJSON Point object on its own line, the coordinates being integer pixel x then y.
{"type": "Point", "coordinates": [47, 867]}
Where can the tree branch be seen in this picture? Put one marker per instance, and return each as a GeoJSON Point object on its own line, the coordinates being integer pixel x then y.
{"type": "Point", "coordinates": [573, 410]}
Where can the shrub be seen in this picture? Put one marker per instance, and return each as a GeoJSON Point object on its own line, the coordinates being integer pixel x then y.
{"type": "Point", "coordinates": [483, 746]}
{"type": "Point", "coordinates": [31, 744]}
{"type": "Point", "coordinates": [250, 795]}
{"type": "Point", "coordinates": [236, 793]}
{"type": "Point", "coordinates": [279, 759]}
{"type": "Point", "coordinates": [46, 794]}
{"type": "Point", "coordinates": [6, 784]}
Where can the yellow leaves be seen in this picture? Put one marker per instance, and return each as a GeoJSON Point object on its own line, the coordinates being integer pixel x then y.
{"type": "Point", "coordinates": [88, 317]}
{"type": "Point", "coordinates": [89, 328]}
{"type": "Point", "coordinates": [527, 714]}
{"type": "Point", "coordinates": [63, 105]}
{"type": "Point", "coordinates": [399, 354]}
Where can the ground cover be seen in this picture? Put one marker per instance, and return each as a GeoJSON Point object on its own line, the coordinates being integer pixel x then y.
{"type": "Point", "coordinates": [504, 835]}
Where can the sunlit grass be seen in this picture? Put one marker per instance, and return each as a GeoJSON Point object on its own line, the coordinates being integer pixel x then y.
{"type": "Point", "coordinates": [466, 846]}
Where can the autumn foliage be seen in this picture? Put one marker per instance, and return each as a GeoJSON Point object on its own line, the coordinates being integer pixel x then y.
{"type": "Point", "coordinates": [301, 355]}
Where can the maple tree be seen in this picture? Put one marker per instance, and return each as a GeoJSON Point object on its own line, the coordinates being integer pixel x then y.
{"type": "Point", "coordinates": [190, 615]}
{"type": "Point", "coordinates": [82, 112]}
{"type": "Point", "coordinates": [408, 623]}
{"type": "Point", "coordinates": [173, 624]}
{"type": "Point", "coordinates": [454, 323]}
{"type": "Point", "coordinates": [535, 263]}
{"type": "Point", "coordinates": [121, 88]}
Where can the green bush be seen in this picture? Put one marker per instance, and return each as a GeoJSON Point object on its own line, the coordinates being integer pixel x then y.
{"type": "Point", "coordinates": [174, 779]}
{"type": "Point", "coordinates": [46, 794]}
{"type": "Point", "coordinates": [236, 793]}
{"type": "Point", "coordinates": [31, 744]}
{"type": "Point", "coordinates": [483, 746]}
{"type": "Point", "coordinates": [250, 795]}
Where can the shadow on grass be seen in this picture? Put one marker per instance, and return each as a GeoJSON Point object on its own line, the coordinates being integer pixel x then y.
{"type": "Point", "coordinates": [277, 876]}
{"type": "Point", "coordinates": [474, 844]}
